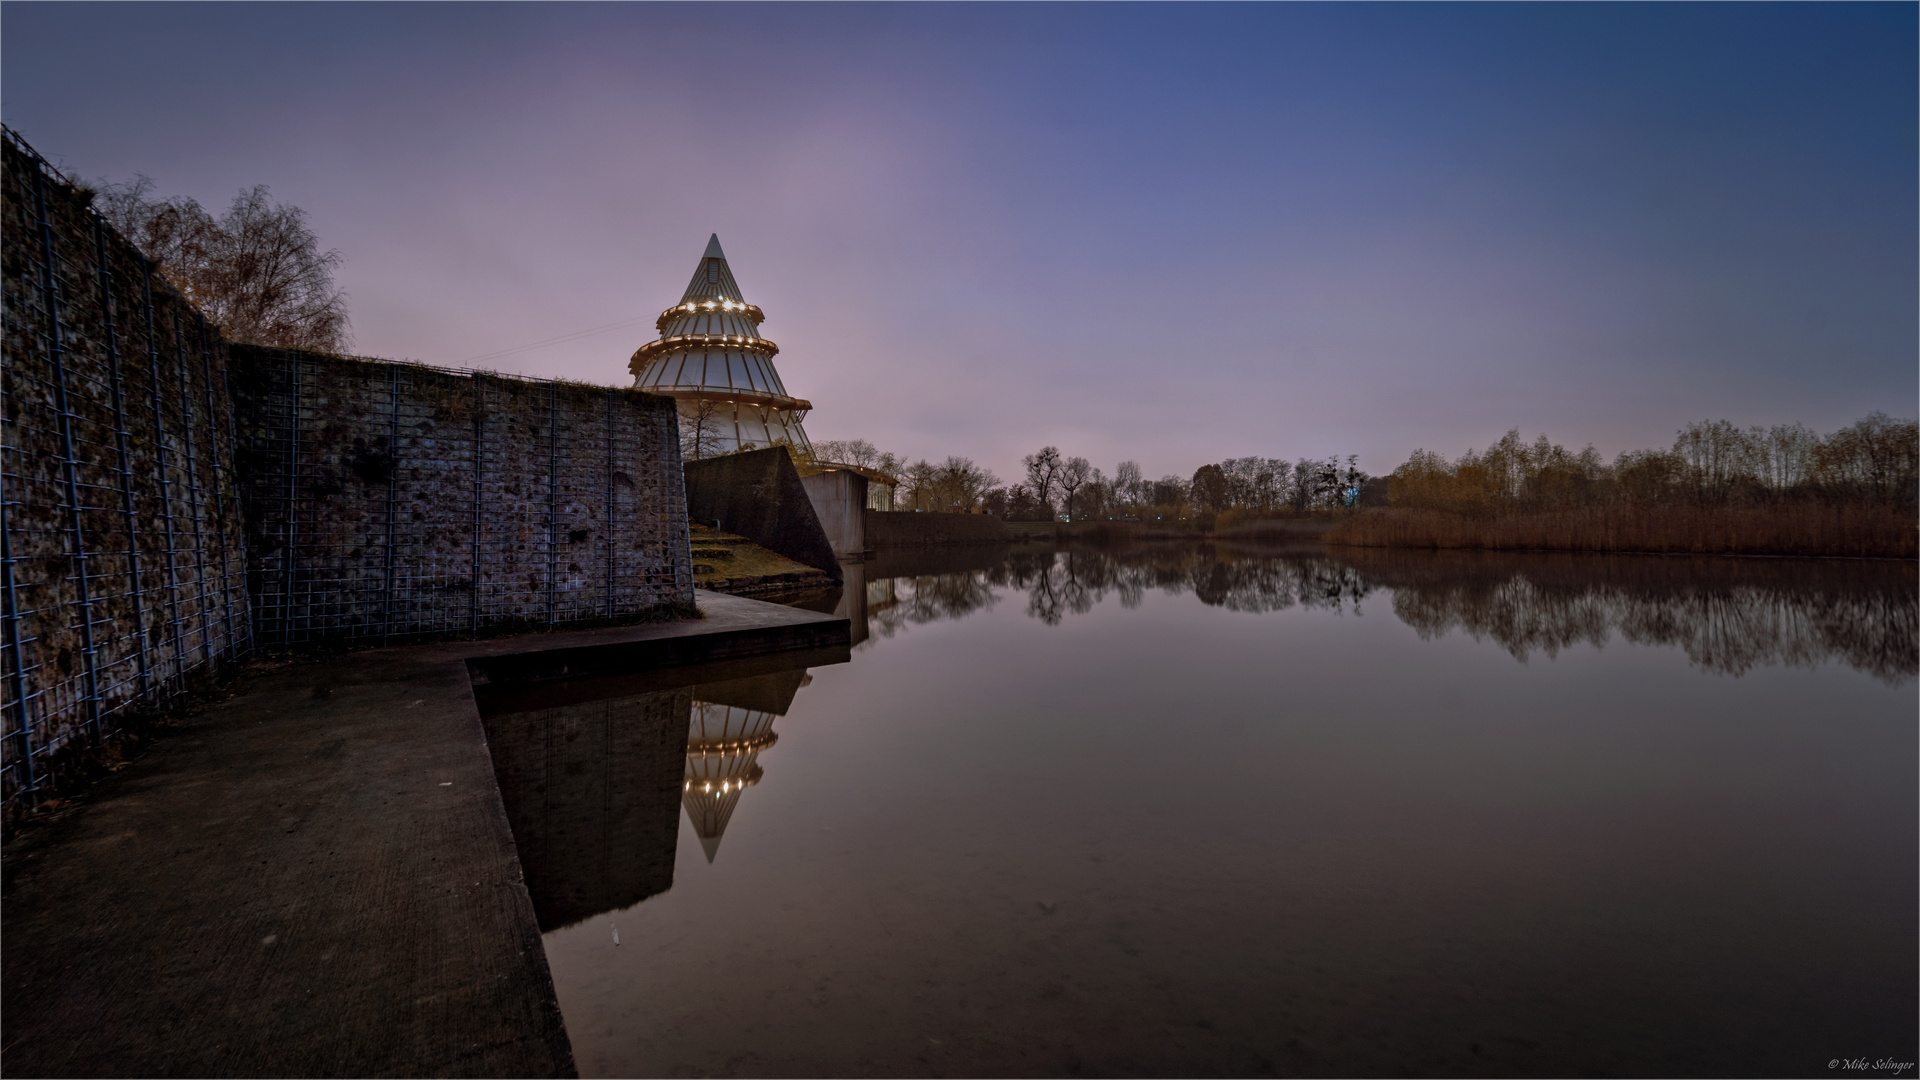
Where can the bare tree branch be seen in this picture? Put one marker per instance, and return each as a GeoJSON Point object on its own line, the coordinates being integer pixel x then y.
{"type": "Point", "coordinates": [258, 272]}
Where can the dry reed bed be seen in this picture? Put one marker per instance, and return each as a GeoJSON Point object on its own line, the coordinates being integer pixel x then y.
{"type": "Point", "coordinates": [1831, 529]}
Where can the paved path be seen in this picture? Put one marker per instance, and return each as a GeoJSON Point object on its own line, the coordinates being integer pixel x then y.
{"type": "Point", "coordinates": [315, 877]}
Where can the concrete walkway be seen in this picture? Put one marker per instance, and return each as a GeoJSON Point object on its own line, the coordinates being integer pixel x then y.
{"type": "Point", "coordinates": [316, 877]}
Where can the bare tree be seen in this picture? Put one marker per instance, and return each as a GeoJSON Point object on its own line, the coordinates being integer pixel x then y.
{"type": "Point", "coordinates": [269, 282]}
{"type": "Point", "coordinates": [996, 501]}
{"type": "Point", "coordinates": [858, 452]}
{"type": "Point", "coordinates": [1210, 488]}
{"type": "Point", "coordinates": [1352, 480]}
{"type": "Point", "coordinates": [920, 484]}
{"type": "Point", "coordinates": [1712, 463]}
{"type": "Point", "coordinates": [1877, 457]}
{"type": "Point", "coordinates": [258, 272]}
{"type": "Point", "coordinates": [1786, 453]}
{"type": "Point", "coordinates": [1043, 472]}
{"type": "Point", "coordinates": [1074, 474]}
{"type": "Point", "coordinates": [1716, 453]}
{"type": "Point", "coordinates": [175, 233]}
{"type": "Point", "coordinates": [847, 452]}
{"type": "Point", "coordinates": [1301, 488]}
{"type": "Point", "coordinates": [1327, 485]}
{"type": "Point", "coordinates": [1254, 483]}
{"type": "Point", "coordinates": [1127, 483]}
{"type": "Point", "coordinates": [1023, 505]}
{"type": "Point", "coordinates": [1170, 493]}
{"type": "Point", "coordinates": [960, 483]}
{"type": "Point", "coordinates": [1097, 499]}
{"type": "Point", "coordinates": [700, 435]}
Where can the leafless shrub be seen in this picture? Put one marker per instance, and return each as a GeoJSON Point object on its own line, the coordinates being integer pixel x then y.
{"type": "Point", "coordinates": [257, 272]}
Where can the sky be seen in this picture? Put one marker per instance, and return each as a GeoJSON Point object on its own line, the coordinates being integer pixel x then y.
{"type": "Point", "coordinates": [1166, 233]}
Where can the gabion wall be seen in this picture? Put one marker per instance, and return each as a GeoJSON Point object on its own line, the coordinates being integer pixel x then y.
{"type": "Point", "coordinates": [161, 514]}
{"type": "Point", "coordinates": [393, 501]}
{"type": "Point", "coordinates": [122, 570]}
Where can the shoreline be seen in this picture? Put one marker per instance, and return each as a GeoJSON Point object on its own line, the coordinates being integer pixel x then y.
{"type": "Point", "coordinates": [1327, 532]}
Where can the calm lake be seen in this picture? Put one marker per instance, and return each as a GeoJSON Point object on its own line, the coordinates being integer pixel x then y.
{"type": "Point", "coordinates": [1211, 809]}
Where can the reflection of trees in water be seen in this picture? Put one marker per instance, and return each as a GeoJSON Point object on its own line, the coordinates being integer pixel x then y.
{"type": "Point", "coordinates": [894, 602]}
{"type": "Point", "coordinates": [1728, 615]}
{"type": "Point", "coordinates": [1057, 585]}
{"type": "Point", "coordinates": [1072, 581]}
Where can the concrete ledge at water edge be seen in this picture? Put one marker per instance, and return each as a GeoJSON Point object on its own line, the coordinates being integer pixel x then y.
{"type": "Point", "coordinates": [317, 876]}
{"type": "Point", "coordinates": [904, 528]}
{"type": "Point", "coordinates": [758, 495]}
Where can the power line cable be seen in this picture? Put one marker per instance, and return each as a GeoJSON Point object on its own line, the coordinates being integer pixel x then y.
{"type": "Point", "coordinates": [562, 339]}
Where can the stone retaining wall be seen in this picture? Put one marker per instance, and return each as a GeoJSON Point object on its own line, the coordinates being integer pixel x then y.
{"type": "Point", "coordinates": [161, 514]}
{"type": "Point", "coordinates": [899, 528]}
{"type": "Point", "coordinates": [122, 578]}
{"type": "Point", "coordinates": [394, 501]}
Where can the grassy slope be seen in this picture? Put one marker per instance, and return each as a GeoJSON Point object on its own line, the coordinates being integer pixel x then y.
{"type": "Point", "coordinates": [748, 562]}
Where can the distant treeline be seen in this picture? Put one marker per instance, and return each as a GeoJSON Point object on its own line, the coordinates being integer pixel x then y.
{"type": "Point", "coordinates": [1060, 486]}
{"type": "Point", "coordinates": [1057, 485]}
{"type": "Point", "coordinates": [1782, 490]}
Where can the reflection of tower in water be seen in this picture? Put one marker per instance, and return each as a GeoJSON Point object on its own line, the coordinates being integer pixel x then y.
{"type": "Point", "coordinates": [586, 768]}
{"type": "Point", "coordinates": [722, 745]}
{"type": "Point", "coordinates": [730, 724]}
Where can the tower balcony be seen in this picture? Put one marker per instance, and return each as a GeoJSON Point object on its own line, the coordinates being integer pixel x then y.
{"type": "Point", "coordinates": [691, 342]}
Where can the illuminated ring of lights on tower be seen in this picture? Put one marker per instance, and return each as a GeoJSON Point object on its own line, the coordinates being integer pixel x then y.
{"type": "Point", "coordinates": [705, 341]}
{"type": "Point", "coordinates": [711, 359]}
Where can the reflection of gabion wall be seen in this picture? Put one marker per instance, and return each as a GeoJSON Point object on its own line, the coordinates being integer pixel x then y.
{"type": "Point", "coordinates": [391, 500]}
{"type": "Point", "coordinates": [122, 574]}
{"type": "Point", "coordinates": [592, 791]}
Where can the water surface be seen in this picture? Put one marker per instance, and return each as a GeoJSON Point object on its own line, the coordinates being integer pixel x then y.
{"type": "Point", "coordinates": [1189, 809]}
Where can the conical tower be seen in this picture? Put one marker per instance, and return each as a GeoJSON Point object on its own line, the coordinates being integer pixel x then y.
{"type": "Point", "coordinates": [711, 358]}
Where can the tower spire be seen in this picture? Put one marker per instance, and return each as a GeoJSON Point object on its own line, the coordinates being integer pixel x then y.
{"type": "Point", "coordinates": [712, 279]}
{"type": "Point", "coordinates": [711, 359]}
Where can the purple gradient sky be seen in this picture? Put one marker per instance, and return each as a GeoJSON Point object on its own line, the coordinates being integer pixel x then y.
{"type": "Point", "coordinates": [1170, 233]}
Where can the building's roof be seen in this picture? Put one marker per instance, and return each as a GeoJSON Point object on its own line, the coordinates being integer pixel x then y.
{"type": "Point", "coordinates": [712, 280]}
{"type": "Point", "coordinates": [872, 475]}
{"type": "Point", "coordinates": [710, 342]}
